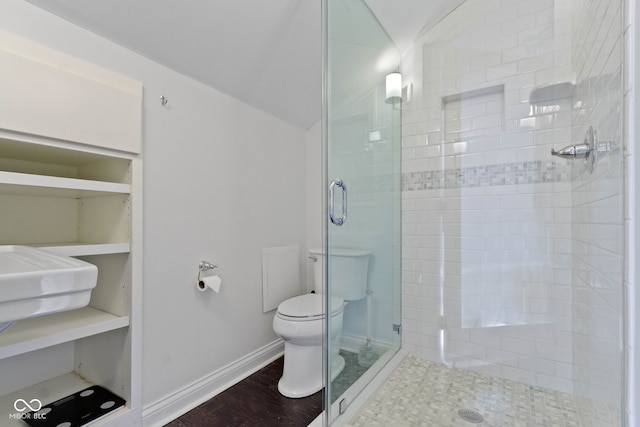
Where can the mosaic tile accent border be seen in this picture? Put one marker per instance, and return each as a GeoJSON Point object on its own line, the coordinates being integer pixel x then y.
{"type": "Point", "coordinates": [423, 393]}
{"type": "Point", "coordinates": [533, 172]}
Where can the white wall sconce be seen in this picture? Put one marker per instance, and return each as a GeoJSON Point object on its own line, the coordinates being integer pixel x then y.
{"type": "Point", "coordinates": [393, 85]}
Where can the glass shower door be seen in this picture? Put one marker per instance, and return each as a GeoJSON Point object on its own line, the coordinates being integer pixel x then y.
{"type": "Point", "coordinates": [363, 178]}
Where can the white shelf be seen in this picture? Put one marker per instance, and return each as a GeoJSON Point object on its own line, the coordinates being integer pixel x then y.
{"type": "Point", "coordinates": [47, 392]}
{"type": "Point", "coordinates": [84, 249]}
{"type": "Point", "coordinates": [24, 184]}
{"type": "Point", "coordinates": [46, 331]}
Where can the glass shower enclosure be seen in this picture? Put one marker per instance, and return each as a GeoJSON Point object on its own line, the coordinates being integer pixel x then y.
{"type": "Point", "coordinates": [363, 179]}
{"type": "Point", "coordinates": [506, 154]}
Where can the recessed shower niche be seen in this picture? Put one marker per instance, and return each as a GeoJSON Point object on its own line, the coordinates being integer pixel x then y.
{"type": "Point", "coordinates": [471, 114]}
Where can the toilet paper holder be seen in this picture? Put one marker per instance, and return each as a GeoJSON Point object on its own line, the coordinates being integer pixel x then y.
{"type": "Point", "coordinates": [205, 266]}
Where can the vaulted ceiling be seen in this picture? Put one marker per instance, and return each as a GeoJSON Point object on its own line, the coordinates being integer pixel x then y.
{"type": "Point", "coordinates": [266, 53]}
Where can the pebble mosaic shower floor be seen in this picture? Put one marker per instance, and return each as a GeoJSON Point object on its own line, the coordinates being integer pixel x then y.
{"type": "Point", "coordinates": [422, 393]}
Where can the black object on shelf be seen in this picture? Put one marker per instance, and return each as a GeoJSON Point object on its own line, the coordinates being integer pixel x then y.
{"type": "Point", "coordinates": [77, 409]}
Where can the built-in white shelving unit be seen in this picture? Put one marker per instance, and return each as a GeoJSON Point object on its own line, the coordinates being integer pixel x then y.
{"type": "Point", "coordinates": [77, 201]}
{"type": "Point", "coordinates": [73, 186]}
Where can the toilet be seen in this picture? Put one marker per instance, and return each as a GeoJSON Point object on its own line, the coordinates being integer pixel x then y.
{"type": "Point", "coordinates": [299, 321]}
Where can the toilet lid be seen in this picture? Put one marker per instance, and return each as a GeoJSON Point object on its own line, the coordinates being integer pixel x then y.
{"type": "Point", "coordinates": [309, 305]}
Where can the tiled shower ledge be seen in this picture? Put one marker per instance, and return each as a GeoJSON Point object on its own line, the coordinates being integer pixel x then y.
{"type": "Point", "coordinates": [422, 393]}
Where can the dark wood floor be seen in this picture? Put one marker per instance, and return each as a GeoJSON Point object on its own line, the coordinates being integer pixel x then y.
{"type": "Point", "coordinates": [255, 401]}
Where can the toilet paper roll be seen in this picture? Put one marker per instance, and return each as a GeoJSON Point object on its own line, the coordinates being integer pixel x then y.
{"type": "Point", "coordinates": [211, 282]}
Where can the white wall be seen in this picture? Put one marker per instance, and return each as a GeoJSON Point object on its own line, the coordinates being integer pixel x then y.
{"type": "Point", "coordinates": [222, 180]}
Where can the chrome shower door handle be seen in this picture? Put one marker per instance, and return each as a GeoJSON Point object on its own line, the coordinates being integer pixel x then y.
{"type": "Point", "coordinates": [332, 215]}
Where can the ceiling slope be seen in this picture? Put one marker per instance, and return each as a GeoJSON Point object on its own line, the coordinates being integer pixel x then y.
{"type": "Point", "coordinates": [264, 53]}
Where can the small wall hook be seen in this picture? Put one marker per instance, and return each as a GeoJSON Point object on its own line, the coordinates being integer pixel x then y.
{"type": "Point", "coordinates": [163, 100]}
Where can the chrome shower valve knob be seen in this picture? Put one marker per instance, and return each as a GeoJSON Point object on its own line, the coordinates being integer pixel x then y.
{"type": "Point", "coordinates": [578, 151]}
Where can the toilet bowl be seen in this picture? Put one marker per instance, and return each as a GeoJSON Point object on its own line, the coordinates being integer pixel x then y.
{"type": "Point", "coordinates": [299, 321]}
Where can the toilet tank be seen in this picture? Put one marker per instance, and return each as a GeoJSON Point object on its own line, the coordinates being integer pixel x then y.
{"type": "Point", "coordinates": [349, 269]}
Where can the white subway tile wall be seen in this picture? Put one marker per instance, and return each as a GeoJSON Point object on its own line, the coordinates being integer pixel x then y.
{"type": "Point", "coordinates": [494, 253]}
{"type": "Point", "coordinates": [597, 203]}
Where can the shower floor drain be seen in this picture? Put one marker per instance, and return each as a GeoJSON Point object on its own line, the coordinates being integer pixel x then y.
{"type": "Point", "coordinates": [471, 416]}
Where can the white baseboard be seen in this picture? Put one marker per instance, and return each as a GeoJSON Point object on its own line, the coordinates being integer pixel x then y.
{"type": "Point", "coordinates": [182, 401]}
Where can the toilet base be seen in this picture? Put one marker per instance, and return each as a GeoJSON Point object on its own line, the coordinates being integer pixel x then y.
{"type": "Point", "coordinates": [298, 380]}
